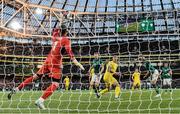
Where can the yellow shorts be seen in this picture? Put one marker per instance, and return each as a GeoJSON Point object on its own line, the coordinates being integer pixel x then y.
{"type": "Point", "coordinates": [67, 84]}
{"type": "Point", "coordinates": [109, 79]}
{"type": "Point", "coordinates": [136, 83]}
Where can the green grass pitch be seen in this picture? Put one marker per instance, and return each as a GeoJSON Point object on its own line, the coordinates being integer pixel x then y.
{"type": "Point", "coordinates": [81, 102]}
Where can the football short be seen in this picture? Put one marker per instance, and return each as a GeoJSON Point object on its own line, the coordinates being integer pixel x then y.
{"type": "Point", "coordinates": [67, 84]}
{"type": "Point", "coordinates": [53, 71]}
{"type": "Point", "coordinates": [167, 81]}
{"type": "Point", "coordinates": [109, 79]}
{"type": "Point", "coordinates": [155, 75]}
{"type": "Point", "coordinates": [136, 83]}
{"type": "Point", "coordinates": [95, 79]}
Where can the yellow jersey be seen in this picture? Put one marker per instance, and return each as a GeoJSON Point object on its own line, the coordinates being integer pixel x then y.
{"type": "Point", "coordinates": [136, 76]}
{"type": "Point", "coordinates": [113, 66]}
{"type": "Point", "coordinates": [66, 80]}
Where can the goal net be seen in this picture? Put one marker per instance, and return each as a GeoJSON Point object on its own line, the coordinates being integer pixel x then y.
{"type": "Point", "coordinates": [135, 38]}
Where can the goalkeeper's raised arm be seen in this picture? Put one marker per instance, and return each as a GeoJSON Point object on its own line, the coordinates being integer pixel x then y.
{"type": "Point", "coordinates": [68, 48]}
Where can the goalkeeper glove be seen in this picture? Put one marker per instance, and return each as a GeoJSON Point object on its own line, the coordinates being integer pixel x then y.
{"type": "Point", "coordinates": [78, 64]}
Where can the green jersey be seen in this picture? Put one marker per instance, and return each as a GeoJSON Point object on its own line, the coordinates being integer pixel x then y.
{"type": "Point", "coordinates": [165, 72]}
{"type": "Point", "coordinates": [97, 65]}
{"type": "Point", "coordinates": [149, 67]}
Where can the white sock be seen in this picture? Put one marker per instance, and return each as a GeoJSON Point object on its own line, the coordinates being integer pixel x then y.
{"type": "Point", "coordinates": [41, 99]}
{"type": "Point", "coordinates": [16, 89]}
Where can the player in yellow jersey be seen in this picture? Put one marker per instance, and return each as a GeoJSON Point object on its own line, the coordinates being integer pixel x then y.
{"type": "Point", "coordinates": [66, 82]}
{"type": "Point", "coordinates": [136, 79]}
{"type": "Point", "coordinates": [109, 80]}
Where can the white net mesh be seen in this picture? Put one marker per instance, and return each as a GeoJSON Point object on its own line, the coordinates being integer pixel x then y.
{"type": "Point", "coordinates": [127, 35]}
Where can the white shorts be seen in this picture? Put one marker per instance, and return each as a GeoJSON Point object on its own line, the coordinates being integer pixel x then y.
{"type": "Point", "coordinates": [95, 79]}
{"type": "Point", "coordinates": [167, 81]}
{"type": "Point", "coordinates": [155, 75]}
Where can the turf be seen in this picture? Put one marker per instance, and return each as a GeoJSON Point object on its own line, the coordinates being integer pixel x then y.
{"type": "Point", "coordinates": [81, 102]}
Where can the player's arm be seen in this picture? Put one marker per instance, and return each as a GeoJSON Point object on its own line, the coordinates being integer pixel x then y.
{"type": "Point", "coordinates": [90, 77]}
{"type": "Point", "coordinates": [160, 72]}
{"type": "Point", "coordinates": [71, 55]}
{"type": "Point", "coordinates": [170, 72]}
{"type": "Point", "coordinates": [146, 75]}
{"type": "Point", "coordinates": [132, 77]}
{"type": "Point", "coordinates": [89, 73]}
{"type": "Point", "coordinates": [77, 63]}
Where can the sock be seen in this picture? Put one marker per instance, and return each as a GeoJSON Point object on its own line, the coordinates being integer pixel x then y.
{"type": "Point", "coordinates": [170, 88]}
{"type": "Point", "coordinates": [132, 87]}
{"type": "Point", "coordinates": [41, 99]}
{"type": "Point", "coordinates": [157, 89]}
{"type": "Point", "coordinates": [95, 87]}
{"type": "Point", "coordinates": [166, 88]}
{"type": "Point", "coordinates": [91, 89]}
{"type": "Point", "coordinates": [117, 91]}
{"type": "Point", "coordinates": [67, 87]}
{"type": "Point", "coordinates": [25, 82]}
{"type": "Point", "coordinates": [104, 91]}
{"type": "Point", "coordinates": [49, 91]}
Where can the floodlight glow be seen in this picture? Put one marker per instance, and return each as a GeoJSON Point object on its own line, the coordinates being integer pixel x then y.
{"type": "Point", "coordinates": [15, 25]}
{"type": "Point", "coordinates": [39, 11]}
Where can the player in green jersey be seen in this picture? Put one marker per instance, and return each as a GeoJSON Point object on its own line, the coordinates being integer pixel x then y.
{"type": "Point", "coordinates": [97, 65]}
{"type": "Point", "coordinates": [166, 75]}
{"type": "Point", "coordinates": [154, 75]}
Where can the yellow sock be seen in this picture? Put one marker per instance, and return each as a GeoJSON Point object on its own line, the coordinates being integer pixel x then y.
{"type": "Point", "coordinates": [67, 88]}
{"type": "Point", "coordinates": [104, 91]}
{"type": "Point", "coordinates": [91, 90]}
{"type": "Point", "coordinates": [132, 87]}
{"type": "Point", "coordinates": [117, 91]}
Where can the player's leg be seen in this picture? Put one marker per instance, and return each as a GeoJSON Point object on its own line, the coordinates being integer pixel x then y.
{"type": "Point", "coordinates": [154, 82]}
{"type": "Point", "coordinates": [92, 85]}
{"type": "Point", "coordinates": [102, 92]}
{"type": "Point", "coordinates": [39, 74]}
{"type": "Point", "coordinates": [133, 86]}
{"type": "Point", "coordinates": [136, 84]}
{"type": "Point", "coordinates": [67, 86]}
{"type": "Point", "coordinates": [22, 85]}
{"type": "Point", "coordinates": [139, 85]}
{"type": "Point", "coordinates": [169, 82]}
{"type": "Point", "coordinates": [165, 86]}
{"type": "Point", "coordinates": [117, 87]}
{"type": "Point", "coordinates": [155, 86]}
{"type": "Point", "coordinates": [48, 92]}
{"type": "Point", "coordinates": [55, 76]}
{"type": "Point", "coordinates": [29, 80]}
{"type": "Point", "coordinates": [107, 84]}
{"type": "Point", "coordinates": [96, 85]}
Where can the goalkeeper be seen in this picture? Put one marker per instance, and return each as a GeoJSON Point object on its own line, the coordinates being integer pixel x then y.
{"type": "Point", "coordinates": [109, 80]}
{"type": "Point", "coordinates": [52, 66]}
{"type": "Point", "coordinates": [96, 73]}
{"type": "Point", "coordinates": [154, 73]}
{"type": "Point", "coordinates": [166, 75]}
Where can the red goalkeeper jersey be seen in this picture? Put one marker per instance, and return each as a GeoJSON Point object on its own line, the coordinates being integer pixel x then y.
{"type": "Point", "coordinates": [55, 56]}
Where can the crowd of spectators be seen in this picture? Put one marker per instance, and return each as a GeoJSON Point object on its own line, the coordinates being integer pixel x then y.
{"type": "Point", "coordinates": [125, 47]}
{"type": "Point", "coordinates": [12, 73]}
